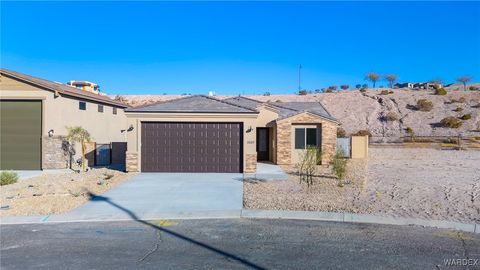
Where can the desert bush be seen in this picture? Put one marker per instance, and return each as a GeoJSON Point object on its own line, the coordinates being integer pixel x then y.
{"type": "Point", "coordinates": [266, 94]}
{"type": "Point", "coordinates": [358, 86]}
{"type": "Point", "coordinates": [339, 167]}
{"type": "Point", "coordinates": [458, 109]}
{"type": "Point", "coordinates": [424, 105]}
{"type": "Point", "coordinates": [345, 86]}
{"type": "Point", "coordinates": [409, 130]}
{"type": "Point", "coordinates": [391, 116]}
{"type": "Point", "coordinates": [7, 178]}
{"type": "Point", "coordinates": [333, 87]}
{"type": "Point", "coordinates": [440, 91]}
{"type": "Point", "coordinates": [307, 164]}
{"type": "Point", "coordinates": [329, 91]}
{"type": "Point", "coordinates": [462, 100]}
{"type": "Point", "coordinates": [302, 92]}
{"type": "Point", "coordinates": [473, 88]}
{"type": "Point", "coordinates": [467, 116]}
{"type": "Point", "coordinates": [363, 132]}
{"type": "Point", "coordinates": [363, 90]}
{"type": "Point", "coordinates": [384, 92]}
{"type": "Point", "coordinates": [451, 122]}
{"type": "Point", "coordinates": [341, 133]}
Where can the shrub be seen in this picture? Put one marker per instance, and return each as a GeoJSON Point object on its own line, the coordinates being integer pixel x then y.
{"type": "Point", "coordinates": [440, 91]}
{"type": "Point", "coordinates": [409, 131]}
{"type": "Point", "coordinates": [302, 92]}
{"type": "Point", "coordinates": [345, 86]}
{"type": "Point", "coordinates": [363, 132]}
{"type": "Point", "coordinates": [333, 87]}
{"type": "Point", "coordinates": [358, 86]}
{"type": "Point", "coordinates": [451, 122]}
{"type": "Point", "coordinates": [339, 167]}
{"type": "Point", "coordinates": [329, 91]}
{"type": "Point", "coordinates": [473, 88]}
{"type": "Point", "coordinates": [424, 105]}
{"type": "Point", "coordinates": [384, 92]}
{"type": "Point", "coordinates": [467, 116]}
{"type": "Point", "coordinates": [341, 133]}
{"type": "Point", "coordinates": [391, 116]}
{"type": "Point", "coordinates": [363, 90]}
{"type": "Point", "coordinates": [458, 109]}
{"type": "Point", "coordinates": [266, 94]}
{"type": "Point", "coordinates": [462, 100]}
{"type": "Point", "coordinates": [307, 164]}
{"type": "Point", "coordinates": [7, 178]}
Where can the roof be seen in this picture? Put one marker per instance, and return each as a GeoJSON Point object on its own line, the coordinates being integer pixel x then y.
{"type": "Point", "coordinates": [289, 109]}
{"type": "Point", "coordinates": [61, 88]}
{"type": "Point", "coordinates": [194, 104]}
{"type": "Point", "coordinates": [244, 102]}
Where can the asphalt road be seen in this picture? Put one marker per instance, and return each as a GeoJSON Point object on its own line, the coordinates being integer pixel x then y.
{"type": "Point", "coordinates": [232, 244]}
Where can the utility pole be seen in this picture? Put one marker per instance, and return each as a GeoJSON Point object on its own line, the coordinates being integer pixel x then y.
{"type": "Point", "coordinates": [300, 77]}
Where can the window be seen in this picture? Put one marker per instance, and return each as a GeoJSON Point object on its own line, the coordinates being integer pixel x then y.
{"type": "Point", "coordinates": [114, 110]}
{"type": "Point", "coordinates": [82, 105]}
{"type": "Point", "coordinates": [305, 137]}
{"type": "Point", "coordinates": [100, 108]}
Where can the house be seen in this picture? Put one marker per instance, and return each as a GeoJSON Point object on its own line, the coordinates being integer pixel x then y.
{"type": "Point", "coordinates": [35, 113]}
{"type": "Point", "coordinates": [404, 85]}
{"type": "Point", "coordinates": [86, 86]}
{"type": "Point", "coordinates": [206, 134]}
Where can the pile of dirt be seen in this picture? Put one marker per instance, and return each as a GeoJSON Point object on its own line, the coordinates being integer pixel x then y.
{"type": "Point", "coordinates": [56, 193]}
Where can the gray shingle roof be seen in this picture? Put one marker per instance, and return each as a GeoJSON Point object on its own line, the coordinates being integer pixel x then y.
{"type": "Point", "coordinates": [288, 109]}
{"type": "Point", "coordinates": [60, 88]}
{"type": "Point", "coordinates": [194, 104]}
{"type": "Point", "coordinates": [244, 102]}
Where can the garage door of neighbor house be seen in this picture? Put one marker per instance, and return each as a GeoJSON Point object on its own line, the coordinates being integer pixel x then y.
{"type": "Point", "coordinates": [192, 147]}
{"type": "Point", "coordinates": [20, 134]}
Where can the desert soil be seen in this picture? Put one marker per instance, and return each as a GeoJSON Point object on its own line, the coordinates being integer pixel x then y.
{"type": "Point", "coordinates": [418, 183]}
{"type": "Point", "coordinates": [56, 193]}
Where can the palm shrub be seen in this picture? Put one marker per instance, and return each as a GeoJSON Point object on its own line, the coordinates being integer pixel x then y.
{"type": "Point", "coordinates": [339, 167]}
{"type": "Point", "coordinates": [7, 178]}
{"type": "Point", "coordinates": [78, 135]}
{"type": "Point", "coordinates": [307, 164]}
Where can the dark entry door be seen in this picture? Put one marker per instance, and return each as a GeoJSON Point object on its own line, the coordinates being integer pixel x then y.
{"type": "Point", "coordinates": [192, 147]}
{"type": "Point", "coordinates": [20, 134]}
{"type": "Point", "coordinates": [262, 144]}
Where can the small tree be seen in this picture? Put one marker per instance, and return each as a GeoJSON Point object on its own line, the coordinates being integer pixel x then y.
{"type": "Point", "coordinates": [373, 77]}
{"type": "Point", "coordinates": [358, 86]}
{"type": "Point", "coordinates": [339, 166]}
{"type": "Point", "coordinates": [345, 86]}
{"type": "Point", "coordinates": [464, 80]}
{"type": "Point", "coordinates": [341, 133]}
{"type": "Point", "coordinates": [302, 92]}
{"type": "Point", "coordinates": [333, 87]}
{"type": "Point", "coordinates": [266, 94]}
{"type": "Point", "coordinates": [410, 133]}
{"type": "Point", "coordinates": [78, 135]}
{"type": "Point", "coordinates": [307, 164]}
{"type": "Point", "coordinates": [391, 78]}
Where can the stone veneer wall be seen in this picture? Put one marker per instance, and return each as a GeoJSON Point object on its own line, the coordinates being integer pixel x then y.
{"type": "Point", "coordinates": [251, 163]}
{"type": "Point", "coordinates": [284, 137]}
{"type": "Point", "coordinates": [132, 162]}
{"type": "Point", "coordinates": [54, 154]}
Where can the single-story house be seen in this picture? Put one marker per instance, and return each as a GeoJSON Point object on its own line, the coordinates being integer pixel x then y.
{"type": "Point", "coordinates": [206, 134]}
{"type": "Point", "coordinates": [34, 114]}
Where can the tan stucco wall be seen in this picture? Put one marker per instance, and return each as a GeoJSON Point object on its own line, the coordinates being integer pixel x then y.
{"type": "Point", "coordinates": [360, 146]}
{"type": "Point", "coordinates": [63, 111]}
{"type": "Point", "coordinates": [135, 120]}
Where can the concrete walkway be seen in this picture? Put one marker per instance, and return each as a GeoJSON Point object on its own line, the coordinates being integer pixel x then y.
{"type": "Point", "coordinates": [161, 195]}
{"type": "Point", "coordinates": [267, 172]}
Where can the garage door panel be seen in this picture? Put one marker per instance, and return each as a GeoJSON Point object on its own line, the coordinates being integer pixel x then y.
{"type": "Point", "coordinates": [191, 147]}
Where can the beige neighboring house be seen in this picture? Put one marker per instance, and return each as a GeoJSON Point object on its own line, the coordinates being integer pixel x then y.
{"type": "Point", "coordinates": [205, 134]}
{"type": "Point", "coordinates": [35, 113]}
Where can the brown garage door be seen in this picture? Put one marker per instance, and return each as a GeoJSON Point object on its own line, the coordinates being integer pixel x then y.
{"type": "Point", "coordinates": [192, 147]}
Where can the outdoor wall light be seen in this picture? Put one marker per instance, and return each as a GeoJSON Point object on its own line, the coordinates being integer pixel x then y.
{"type": "Point", "coordinates": [50, 133]}
{"type": "Point", "coordinates": [249, 129]}
{"type": "Point", "coordinates": [130, 128]}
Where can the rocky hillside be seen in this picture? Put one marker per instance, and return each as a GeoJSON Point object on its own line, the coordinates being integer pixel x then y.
{"type": "Point", "coordinates": [356, 110]}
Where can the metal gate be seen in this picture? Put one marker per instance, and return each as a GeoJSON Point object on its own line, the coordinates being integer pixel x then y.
{"type": "Point", "coordinates": [344, 146]}
{"type": "Point", "coordinates": [103, 155]}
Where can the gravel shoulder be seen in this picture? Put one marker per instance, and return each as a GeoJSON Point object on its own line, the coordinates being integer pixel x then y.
{"type": "Point", "coordinates": [57, 193]}
{"type": "Point", "coordinates": [418, 183]}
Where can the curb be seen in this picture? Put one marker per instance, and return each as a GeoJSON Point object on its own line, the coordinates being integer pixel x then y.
{"type": "Point", "coordinates": [359, 218]}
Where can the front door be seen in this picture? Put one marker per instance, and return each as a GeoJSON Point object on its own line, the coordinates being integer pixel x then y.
{"type": "Point", "coordinates": [262, 144]}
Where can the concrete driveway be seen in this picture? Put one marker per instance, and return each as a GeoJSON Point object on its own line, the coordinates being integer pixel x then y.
{"type": "Point", "coordinates": [166, 195]}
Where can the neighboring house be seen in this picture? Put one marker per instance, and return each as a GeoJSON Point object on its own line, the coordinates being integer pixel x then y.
{"type": "Point", "coordinates": [86, 86]}
{"type": "Point", "coordinates": [205, 134]}
{"type": "Point", "coordinates": [35, 113]}
{"type": "Point", "coordinates": [404, 85]}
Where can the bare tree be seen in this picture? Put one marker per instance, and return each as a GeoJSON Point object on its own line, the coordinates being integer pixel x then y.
{"type": "Point", "coordinates": [373, 77]}
{"type": "Point", "coordinates": [391, 78]}
{"type": "Point", "coordinates": [80, 135]}
{"type": "Point", "coordinates": [464, 80]}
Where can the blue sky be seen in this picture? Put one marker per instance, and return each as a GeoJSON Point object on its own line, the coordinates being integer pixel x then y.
{"type": "Point", "coordinates": [238, 47]}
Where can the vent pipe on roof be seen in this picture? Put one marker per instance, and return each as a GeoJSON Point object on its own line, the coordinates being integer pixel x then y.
{"type": "Point", "coordinates": [211, 93]}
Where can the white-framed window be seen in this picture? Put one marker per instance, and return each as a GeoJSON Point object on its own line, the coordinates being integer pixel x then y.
{"type": "Point", "coordinates": [305, 137]}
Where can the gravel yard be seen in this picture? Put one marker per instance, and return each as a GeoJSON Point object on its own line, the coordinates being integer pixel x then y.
{"type": "Point", "coordinates": [56, 193]}
{"type": "Point", "coordinates": [401, 182]}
